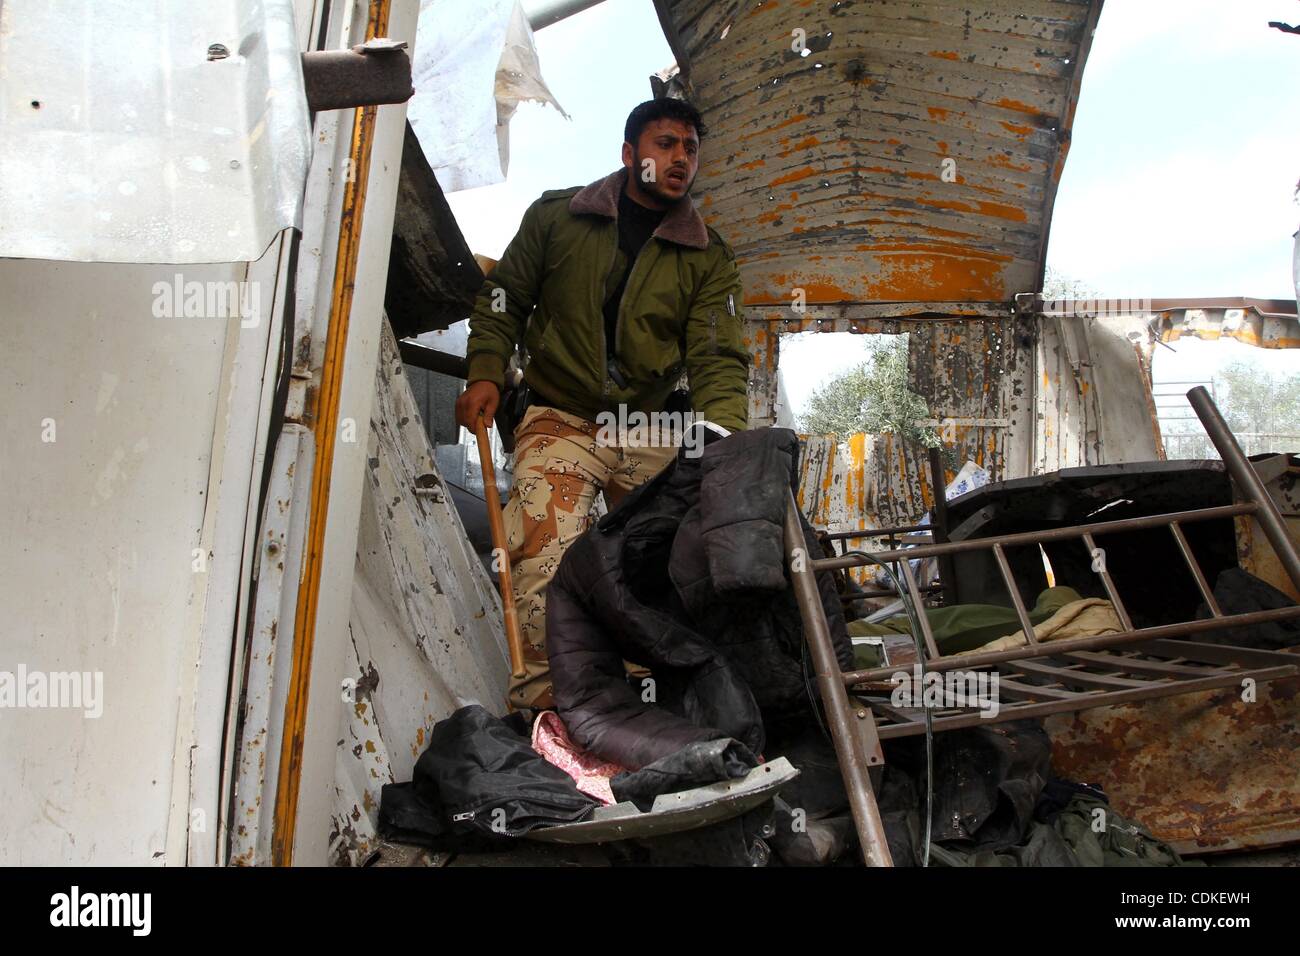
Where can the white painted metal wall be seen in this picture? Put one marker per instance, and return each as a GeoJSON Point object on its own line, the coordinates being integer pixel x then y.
{"type": "Point", "coordinates": [128, 459]}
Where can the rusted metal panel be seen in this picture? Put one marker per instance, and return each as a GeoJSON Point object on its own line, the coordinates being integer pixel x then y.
{"type": "Point", "coordinates": [1208, 771]}
{"type": "Point", "coordinates": [1281, 476]}
{"type": "Point", "coordinates": [976, 378]}
{"type": "Point", "coordinates": [1269, 325]}
{"type": "Point", "coordinates": [910, 156]}
{"type": "Point", "coordinates": [1264, 323]}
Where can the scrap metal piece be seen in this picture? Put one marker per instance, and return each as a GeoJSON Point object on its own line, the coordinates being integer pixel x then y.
{"type": "Point", "coordinates": [374, 73]}
{"type": "Point", "coordinates": [676, 812]}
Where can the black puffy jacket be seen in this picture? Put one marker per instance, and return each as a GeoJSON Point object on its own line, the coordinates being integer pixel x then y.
{"type": "Point", "coordinates": [686, 578]}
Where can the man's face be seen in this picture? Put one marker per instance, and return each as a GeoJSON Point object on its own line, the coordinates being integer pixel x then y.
{"type": "Point", "coordinates": [663, 164]}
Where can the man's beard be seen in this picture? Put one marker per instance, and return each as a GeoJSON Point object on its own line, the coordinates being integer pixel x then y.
{"type": "Point", "coordinates": [653, 187]}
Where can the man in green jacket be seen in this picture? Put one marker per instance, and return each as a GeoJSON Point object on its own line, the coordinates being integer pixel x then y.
{"type": "Point", "coordinates": [614, 290]}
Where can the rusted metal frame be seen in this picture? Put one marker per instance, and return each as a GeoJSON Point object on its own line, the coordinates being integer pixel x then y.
{"type": "Point", "coordinates": [1220, 655]}
{"type": "Point", "coordinates": [1140, 639]}
{"type": "Point", "coordinates": [909, 581]}
{"type": "Point", "coordinates": [1120, 611]}
{"type": "Point", "coordinates": [1247, 481]}
{"type": "Point", "coordinates": [1066, 676]}
{"type": "Point", "coordinates": [893, 713]}
{"type": "Point", "coordinates": [1194, 566]}
{"type": "Point", "coordinates": [852, 758]}
{"type": "Point", "coordinates": [1016, 601]}
{"type": "Point", "coordinates": [1126, 664]}
{"type": "Point", "coordinates": [1042, 537]}
{"type": "Point", "coordinates": [1077, 702]}
{"type": "Point", "coordinates": [1010, 687]}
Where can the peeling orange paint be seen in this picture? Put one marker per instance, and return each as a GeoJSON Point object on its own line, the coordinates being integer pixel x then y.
{"type": "Point", "coordinates": [946, 54]}
{"type": "Point", "coordinates": [797, 118]}
{"type": "Point", "coordinates": [792, 177]}
{"type": "Point", "coordinates": [1016, 105]}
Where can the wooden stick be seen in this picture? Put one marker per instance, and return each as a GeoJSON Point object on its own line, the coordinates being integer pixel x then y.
{"type": "Point", "coordinates": [500, 553]}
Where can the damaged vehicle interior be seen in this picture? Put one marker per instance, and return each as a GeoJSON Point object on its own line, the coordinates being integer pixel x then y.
{"type": "Point", "coordinates": [1100, 609]}
{"type": "Point", "coordinates": [949, 563]}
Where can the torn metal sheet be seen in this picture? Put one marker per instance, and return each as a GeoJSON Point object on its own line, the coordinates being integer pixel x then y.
{"type": "Point", "coordinates": [876, 152]}
{"type": "Point", "coordinates": [189, 144]}
{"type": "Point", "coordinates": [1093, 394]}
{"type": "Point", "coordinates": [1262, 323]}
{"type": "Point", "coordinates": [426, 626]}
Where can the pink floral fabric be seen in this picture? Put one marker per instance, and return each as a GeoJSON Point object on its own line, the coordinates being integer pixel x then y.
{"type": "Point", "coordinates": [589, 772]}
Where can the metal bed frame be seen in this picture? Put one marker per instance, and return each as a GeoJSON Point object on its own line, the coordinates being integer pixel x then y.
{"type": "Point", "coordinates": [1039, 678]}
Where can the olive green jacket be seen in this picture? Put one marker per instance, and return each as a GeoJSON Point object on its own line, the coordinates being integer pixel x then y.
{"type": "Point", "coordinates": [680, 310]}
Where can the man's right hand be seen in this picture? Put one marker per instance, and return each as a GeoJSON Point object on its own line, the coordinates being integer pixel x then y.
{"type": "Point", "coordinates": [477, 397]}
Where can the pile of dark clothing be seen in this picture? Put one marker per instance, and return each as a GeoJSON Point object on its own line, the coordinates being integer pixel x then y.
{"type": "Point", "coordinates": [996, 802]}
{"type": "Point", "coordinates": [687, 580]}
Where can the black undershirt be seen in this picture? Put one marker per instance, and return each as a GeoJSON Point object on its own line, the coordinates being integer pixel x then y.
{"type": "Point", "coordinates": [636, 224]}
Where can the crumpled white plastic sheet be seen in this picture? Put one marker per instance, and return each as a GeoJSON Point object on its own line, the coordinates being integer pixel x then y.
{"type": "Point", "coordinates": [475, 62]}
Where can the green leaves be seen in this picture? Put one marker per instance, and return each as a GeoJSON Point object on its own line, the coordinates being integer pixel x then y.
{"type": "Point", "coordinates": [872, 397]}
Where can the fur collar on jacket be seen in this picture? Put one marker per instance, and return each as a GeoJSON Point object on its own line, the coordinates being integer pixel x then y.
{"type": "Point", "coordinates": [681, 223]}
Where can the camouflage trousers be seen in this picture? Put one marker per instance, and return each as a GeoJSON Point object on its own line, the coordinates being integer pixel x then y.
{"type": "Point", "coordinates": [560, 466]}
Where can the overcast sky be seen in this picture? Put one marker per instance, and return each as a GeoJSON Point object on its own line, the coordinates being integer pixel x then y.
{"type": "Point", "coordinates": [1180, 178]}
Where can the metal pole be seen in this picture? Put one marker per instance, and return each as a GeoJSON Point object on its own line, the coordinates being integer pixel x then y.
{"type": "Point", "coordinates": [834, 695]}
{"type": "Point", "coordinates": [1244, 475]}
{"type": "Point", "coordinates": [543, 13]}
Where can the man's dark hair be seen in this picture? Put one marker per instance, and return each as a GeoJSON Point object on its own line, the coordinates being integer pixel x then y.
{"type": "Point", "coordinates": [667, 108]}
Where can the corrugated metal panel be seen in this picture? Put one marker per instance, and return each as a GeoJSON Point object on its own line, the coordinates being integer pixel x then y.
{"type": "Point", "coordinates": [157, 149]}
{"type": "Point", "coordinates": [827, 171]}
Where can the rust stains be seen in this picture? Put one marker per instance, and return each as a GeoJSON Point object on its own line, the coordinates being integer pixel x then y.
{"type": "Point", "coordinates": [924, 126]}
